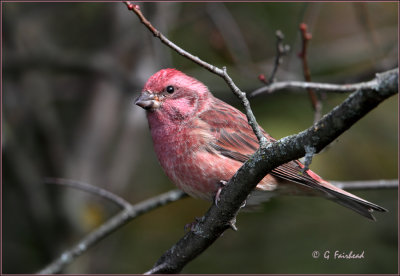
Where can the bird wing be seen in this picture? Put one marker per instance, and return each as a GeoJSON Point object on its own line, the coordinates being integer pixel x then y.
{"type": "Point", "coordinates": [236, 140]}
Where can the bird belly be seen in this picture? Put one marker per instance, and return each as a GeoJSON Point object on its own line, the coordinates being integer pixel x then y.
{"type": "Point", "coordinates": [197, 171]}
{"type": "Point", "coordinates": [201, 176]}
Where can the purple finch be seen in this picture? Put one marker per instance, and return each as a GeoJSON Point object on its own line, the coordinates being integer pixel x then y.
{"type": "Point", "coordinates": [202, 141]}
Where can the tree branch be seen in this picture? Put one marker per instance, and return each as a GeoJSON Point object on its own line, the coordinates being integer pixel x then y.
{"type": "Point", "coordinates": [90, 189]}
{"type": "Point", "coordinates": [128, 213]}
{"type": "Point", "coordinates": [267, 157]}
{"type": "Point", "coordinates": [367, 184]}
{"type": "Point", "coordinates": [315, 101]}
{"type": "Point", "coordinates": [305, 38]}
{"type": "Point", "coordinates": [326, 87]}
{"type": "Point", "coordinates": [217, 219]}
{"type": "Point", "coordinates": [281, 51]}
{"type": "Point", "coordinates": [213, 69]}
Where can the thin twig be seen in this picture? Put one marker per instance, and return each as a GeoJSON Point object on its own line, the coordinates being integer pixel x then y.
{"type": "Point", "coordinates": [305, 38]}
{"type": "Point", "coordinates": [326, 87]}
{"type": "Point", "coordinates": [367, 184]}
{"type": "Point", "coordinates": [128, 213]}
{"type": "Point", "coordinates": [217, 219]}
{"type": "Point", "coordinates": [316, 103]}
{"type": "Point", "coordinates": [281, 51]}
{"type": "Point", "coordinates": [90, 189]}
{"type": "Point", "coordinates": [221, 72]}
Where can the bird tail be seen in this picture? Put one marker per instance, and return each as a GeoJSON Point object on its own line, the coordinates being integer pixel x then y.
{"type": "Point", "coordinates": [315, 188]}
{"type": "Point", "coordinates": [353, 202]}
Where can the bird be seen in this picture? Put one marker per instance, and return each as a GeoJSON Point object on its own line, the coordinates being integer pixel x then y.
{"type": "Point", "coordinates": [201, 141]}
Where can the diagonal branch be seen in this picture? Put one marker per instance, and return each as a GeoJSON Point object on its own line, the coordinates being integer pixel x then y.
{"type": "Point", "coordinates": [281, 51]}
{"type": "Point", "coordinates": [128, 213]}
{"type": "Point", "coordinates": [90, 189]}
{"type": "Point", "coordinates": [269, 156]}
{"type": "Point", "coordinates": [124, 216]}
{"type": "Point", "coordinates": [213, 69]}
{"type": "Point", "coordinates": [326, 87]}
{"type": "Point", "coordinates": [315, 99]}
{"type": "Point", "coordinates": [367, 184]}
{"type": "Point", "coordinates": [217, 219]}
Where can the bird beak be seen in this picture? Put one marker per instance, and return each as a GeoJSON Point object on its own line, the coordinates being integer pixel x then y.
{"type": "Point", "coordinates": [148, 101]}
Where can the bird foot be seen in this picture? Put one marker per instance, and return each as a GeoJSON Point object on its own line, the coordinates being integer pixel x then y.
{"type": "Point", "coordinates": [190, 226]}
{"type": "Point", "coordinates": [232, 224]}
{"type": "Point", "coordinates": [222, 184]}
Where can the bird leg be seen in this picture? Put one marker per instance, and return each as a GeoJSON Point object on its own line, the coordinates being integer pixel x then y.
{"type": "Point", "coordinates": [222, 184]}
{"type": "Point", "coordinates": [232, 224]}
{"type": "Point", "coordinates": [190, 226]}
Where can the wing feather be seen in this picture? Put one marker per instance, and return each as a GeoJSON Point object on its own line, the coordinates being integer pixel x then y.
{"type": "Point", "coordinates": [235, 139]}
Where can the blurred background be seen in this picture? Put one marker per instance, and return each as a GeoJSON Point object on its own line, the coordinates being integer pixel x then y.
{"type": "Point", "coordinates": [70, 74]}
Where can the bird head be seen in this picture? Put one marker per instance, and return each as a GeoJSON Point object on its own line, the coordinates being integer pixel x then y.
{"type": "Point", "coordinates": [172, 93]}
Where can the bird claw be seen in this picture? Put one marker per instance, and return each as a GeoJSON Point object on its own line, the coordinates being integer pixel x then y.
{"type": "Point", "coordinates": [223, 184]}
{"type": "Point", "coordinates": [190, 226]}
{"type": "Point", "coordinates": [232, 224]}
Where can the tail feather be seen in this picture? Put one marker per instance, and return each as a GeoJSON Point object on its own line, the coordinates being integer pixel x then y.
{"type": "Point", "coordinates": [312, 184]}
{"type": "Point", "coordinates": [359, 205]}
{"type": "Point", "coordinates": [313, 187]}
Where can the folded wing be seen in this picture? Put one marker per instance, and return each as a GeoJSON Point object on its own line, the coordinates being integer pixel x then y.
{"type": "Point", "coordinates": [236, 140]}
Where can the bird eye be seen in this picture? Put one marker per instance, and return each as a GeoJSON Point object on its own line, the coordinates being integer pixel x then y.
{"type": "Point", "coordinates": [170, 89]}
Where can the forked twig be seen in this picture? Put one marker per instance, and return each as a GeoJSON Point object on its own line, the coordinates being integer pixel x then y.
{"type": "Point", "coordinates": [218, 219]}
{"type": "Point", "coordinates": [128, 213]}
{"type": "Point", "coordinates": [90, 189]}
{"type": "Point", "coordinates": [281, 51]}
{"type": "Point", "coordinates": [213, 69]}
{"type": "Point", "coordinates": [326, 87]}
{"type": "Point", "coordinates": [315, 101]}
